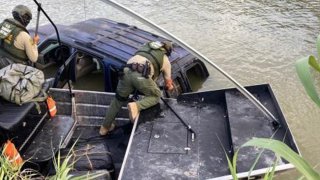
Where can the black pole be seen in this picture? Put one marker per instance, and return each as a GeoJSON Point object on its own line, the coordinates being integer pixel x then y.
{"type": "Point", "coordinates": [55, 27]}
{"type": "Point", "coordinates": [59, 41]}
{"type": "Point", "coordinates": [38, 18]}
{"type": "Point", "coordinates": [193, 134]}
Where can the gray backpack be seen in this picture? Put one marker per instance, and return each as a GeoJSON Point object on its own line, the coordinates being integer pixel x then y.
{"type": "Point", "coordinates": [20, 83]}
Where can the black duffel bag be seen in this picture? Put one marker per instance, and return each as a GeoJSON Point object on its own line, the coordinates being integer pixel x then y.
{"type": "Point", "coordinates": [89, 157]}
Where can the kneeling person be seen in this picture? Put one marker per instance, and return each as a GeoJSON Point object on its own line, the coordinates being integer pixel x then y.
{"type": "Point", "coordinates": [141, 73]}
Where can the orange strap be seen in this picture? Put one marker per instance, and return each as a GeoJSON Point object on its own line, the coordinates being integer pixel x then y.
{"type": "Point", "coordinates": [51, 106]}
{"type": "Point", "coordinates": [12, 153]}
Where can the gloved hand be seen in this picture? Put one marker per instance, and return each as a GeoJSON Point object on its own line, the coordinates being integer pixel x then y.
{"type": "Point", "coordinates": [36, 39]}
{"type": "Point", "coordinates": [169, 85]}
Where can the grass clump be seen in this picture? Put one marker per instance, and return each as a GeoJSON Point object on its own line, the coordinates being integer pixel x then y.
{"type": "Point", "coordinates": [11, 171]}
{"type": "Point", "coordinates": [282, 151]}
{"type": "Point", "coordinates": [63, 167]}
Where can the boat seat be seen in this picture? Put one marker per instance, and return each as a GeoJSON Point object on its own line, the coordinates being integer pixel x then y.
{"type": "Point", "coordinates": [13, 114]}
{"type": "Point", "coordinates": [84, 66]}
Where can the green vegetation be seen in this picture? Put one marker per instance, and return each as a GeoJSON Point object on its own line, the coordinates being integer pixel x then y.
{"type": "Point", "coordinates": [8, 171]}
{"type": "Point", "coordinates": [303, 68]}
{"type": "Point", "coordinates": [281, 150]}
{"type": "Point", "coordinates": [63, 167]}
{"type": "Point", "coordinates": [306, 67]}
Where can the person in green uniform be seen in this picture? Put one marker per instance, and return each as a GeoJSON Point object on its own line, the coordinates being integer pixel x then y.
{"type": "Point", "coordinates": [16, 44]}
{"type": "Point", "coordinates": [141, 73]}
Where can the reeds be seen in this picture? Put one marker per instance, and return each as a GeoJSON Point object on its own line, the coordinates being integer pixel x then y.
{"type": "Point", "coordinates": [282, 151]}
{"type": "Point", "coordinates": [63, 167]}
{"type": "Point", "coordinates": [11, 171]}
{"type": "Point", "coordinates": [307, 69]}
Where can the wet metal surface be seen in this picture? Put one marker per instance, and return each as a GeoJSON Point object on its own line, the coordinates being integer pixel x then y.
{"type": "Point", "coordinates": [49, 138]}
{"type": "Point", "coordinates": [168, 138]}
{"type": "Point", "coordinates": [222, 120]}
{"type": "Point", "coordinates": [247, 121]}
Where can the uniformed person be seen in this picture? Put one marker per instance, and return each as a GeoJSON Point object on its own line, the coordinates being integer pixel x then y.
{"type": "Point", "coordinates": [16, 45]}
{"type": "Point", "coordinates": [140, 73]}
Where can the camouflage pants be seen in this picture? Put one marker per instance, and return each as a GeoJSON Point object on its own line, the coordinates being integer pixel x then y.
{"type": "Point", "coordinates": [133, 81]}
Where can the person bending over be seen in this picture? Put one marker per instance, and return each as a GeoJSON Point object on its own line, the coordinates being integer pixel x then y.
{"type": "Point", "coordinates": [141, 73]}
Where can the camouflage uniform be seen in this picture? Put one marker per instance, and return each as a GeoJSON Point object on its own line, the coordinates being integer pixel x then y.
{"type": "Point", "coordinates": [16, 45]}
{"type": "Point", "coordinates": [133, 80]}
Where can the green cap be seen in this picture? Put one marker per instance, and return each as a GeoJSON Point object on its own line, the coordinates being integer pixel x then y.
{"type": "Point", "coordinates": [22, 10]}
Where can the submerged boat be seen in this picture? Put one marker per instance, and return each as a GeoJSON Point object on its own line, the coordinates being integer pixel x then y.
{"type": "Point", "coordinates": [189, 137]}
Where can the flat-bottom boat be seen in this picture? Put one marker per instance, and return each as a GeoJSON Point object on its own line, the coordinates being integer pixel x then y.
{"type": "Point", "coordinates": [184, 138]}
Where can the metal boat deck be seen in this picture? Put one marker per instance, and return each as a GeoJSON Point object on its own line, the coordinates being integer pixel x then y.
{"type": "Point", "coordinates": [223, 120]}
{"type": "Point", "coordinates": [162, 147]}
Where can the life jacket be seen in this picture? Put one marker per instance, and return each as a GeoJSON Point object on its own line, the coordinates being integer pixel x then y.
{"type": "Point", "coordinates": [9, 30]}
{"type": "Point", "coordinates": [154, 52]}
{"type": "Point", "coordinates": [12, 153]}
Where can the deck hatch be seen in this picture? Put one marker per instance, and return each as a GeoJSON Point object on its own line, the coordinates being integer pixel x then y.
{"type": "Point", "coordinates": [169, 138]}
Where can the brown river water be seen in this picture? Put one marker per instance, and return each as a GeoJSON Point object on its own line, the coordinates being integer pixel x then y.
{"type": "Point", "coordinates": [255, 41]}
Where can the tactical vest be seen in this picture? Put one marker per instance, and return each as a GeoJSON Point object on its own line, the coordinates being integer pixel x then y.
{"type": "Point", "coordinates": [154, 55]}
{"type": "Point", "coordinates": [9, 30]}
